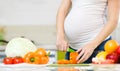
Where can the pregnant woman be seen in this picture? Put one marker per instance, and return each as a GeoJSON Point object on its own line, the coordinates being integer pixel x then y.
{"type": "Point", "coordinates": [85, 26]}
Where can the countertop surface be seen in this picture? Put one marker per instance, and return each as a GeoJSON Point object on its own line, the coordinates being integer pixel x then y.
{"type": "Point", "coordinates": [45, 67]}
{"type": "Point", "coordinates": [49, 67]}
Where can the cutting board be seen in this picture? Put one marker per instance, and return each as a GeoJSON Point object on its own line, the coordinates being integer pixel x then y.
{"type": "Point", "coordinates": [67, 65]}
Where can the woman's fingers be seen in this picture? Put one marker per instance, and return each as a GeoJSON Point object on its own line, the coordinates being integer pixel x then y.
{"type": "Point", "coordinates": [62, 46]}
{"type": "Point", "coordinates": [83, 58]}
{"type": "Point", "coordinates": [80, 54]}
{"type": "Point", "coordinates": [58, 46]}
{"type": "Point", "coordinates": [65, 46]}
{"type": "Point", "coordinates": [79, 50]}
{"type": "Point", "coordinates": [86, 54]}
{"type": "Point", "coordinates": [83, 54]}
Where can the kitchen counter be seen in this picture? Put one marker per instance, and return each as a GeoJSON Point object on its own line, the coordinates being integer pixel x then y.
{"type": "Point", "coordinates": [47, 67]}
{"type": "Point", "coordinates": [91, 67]}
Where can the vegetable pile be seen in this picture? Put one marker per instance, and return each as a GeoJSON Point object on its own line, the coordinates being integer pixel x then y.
{"type": "Point", "coordinates": [110, 55]}
{"type": "Point", "coordinates": [22, 50]}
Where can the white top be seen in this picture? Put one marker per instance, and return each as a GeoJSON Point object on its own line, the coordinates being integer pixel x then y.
{"type": "Point", "coordinates": [84, 21]}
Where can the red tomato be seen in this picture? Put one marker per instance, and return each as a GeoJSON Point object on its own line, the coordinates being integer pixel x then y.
{"type": "Point", "coordinates": [118, 50]}
{"type": "Point", "coordinates": [17, 60]}
{"type": "Point", "coordinates": [8, 60]}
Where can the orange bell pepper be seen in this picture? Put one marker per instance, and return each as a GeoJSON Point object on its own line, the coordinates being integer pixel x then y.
{"type": "Point", "coordinates": [73, 56]}
{"type": "Point", "coordinates": [32, 58]}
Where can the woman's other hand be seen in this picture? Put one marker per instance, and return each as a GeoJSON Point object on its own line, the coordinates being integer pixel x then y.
{"type": "Point", "coordinates": [85, 52]}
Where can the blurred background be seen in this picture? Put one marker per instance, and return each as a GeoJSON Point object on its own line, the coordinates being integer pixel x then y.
{"type": "Point", "coordinates": [33, 19]}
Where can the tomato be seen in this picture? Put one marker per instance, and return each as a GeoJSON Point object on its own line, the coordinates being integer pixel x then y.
{"type": "Point", "coordinates": [44, 60]}
{"type": "Point", "coordinates": [118, 50]}
{"type": "Point", "coordinates": [17, 60]}
{"type": "Point", "coordinates": [41, 52]}
{"type": "Point", "coordinates": [73, 56]}
{"type": "Point", "coordinates": [32, 58]}
{"type": "Point", "coordinates": [113, 56]}
{"type": "Point", "coordinates": [111, 46]}
{"type": "Point", "coordinates": [8, 60]}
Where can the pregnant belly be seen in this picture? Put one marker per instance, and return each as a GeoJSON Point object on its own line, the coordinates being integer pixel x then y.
{"type": "Point", "coordinates": [82, 27]}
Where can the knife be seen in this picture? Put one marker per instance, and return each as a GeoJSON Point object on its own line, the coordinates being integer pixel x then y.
{"type": "Point", "coordinates": [71, 49]}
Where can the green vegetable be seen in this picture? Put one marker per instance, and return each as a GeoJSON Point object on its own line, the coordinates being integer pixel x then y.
{"type": "Point", "coordinates": [70, 50]}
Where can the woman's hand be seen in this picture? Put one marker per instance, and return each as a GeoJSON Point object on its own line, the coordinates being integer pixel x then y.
{"type": "Point", "coordinates": [60, 18]}
{"type": "Point", "coordinates": [85, 52]}
{"type": "Point", "coordinates": [62, 44]}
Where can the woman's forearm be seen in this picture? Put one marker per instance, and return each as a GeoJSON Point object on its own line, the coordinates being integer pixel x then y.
{"type": "Point", "coordinates": [62, 13]}
{"type": "Point", "coordinates": [60, 23]}
{"type": "Point", "coordinates": [105, 32]}
{"type": "Point", "coordinates": [113, 15]}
